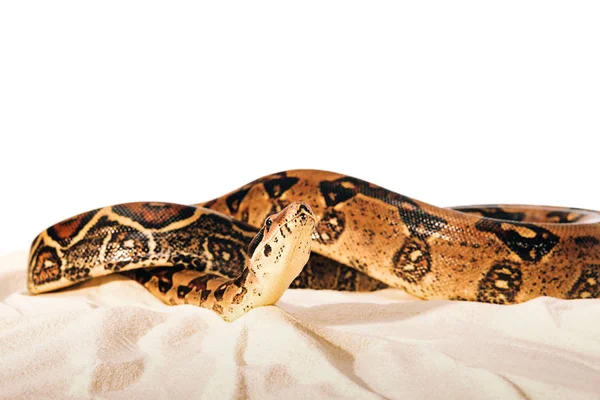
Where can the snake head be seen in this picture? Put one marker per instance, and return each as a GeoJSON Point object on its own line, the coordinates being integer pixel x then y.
{"type": "Point", "coordinates": [281, 248]}
{"type": "Point", "coordinates": [278, 227]}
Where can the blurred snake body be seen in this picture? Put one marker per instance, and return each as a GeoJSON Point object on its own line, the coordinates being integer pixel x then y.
{"type": "Point", "coordinates": [244, 249]}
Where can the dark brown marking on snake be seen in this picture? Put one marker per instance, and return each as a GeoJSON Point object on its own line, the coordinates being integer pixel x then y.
{"type": "Point", "coordinates": [586, 241]}
{"type": "Point", "coordinates": [220, 291]}
{"type": "Point", "coordinates": [144, 275]}
{"type": "Point", "coordinates": [256, 241]}
{"type": "Point", "coordinates": [164, 276]}
{"type": "Point", "coordinates": [234, 200]}
{"type": "Point", "coordinates": [165, 279]}
{"type": "Point", "coordinates": [332, 225]}
{"type": "Point", "coordinates": [501, 284]}
{"type": "Point", "coordinates": [204, 295]}
{"type": "Point", "coordinates": [267, 250]}
{"type": "Point", "coordinates": [237, 299]}
{"type": "Point", "coordinates": [526, 247]}
{"type": "Point", "coordinates": [277, 186]}
{"type": "Point", "coordinates": [492, 212]}
{"type": "Point", "coordinates": [564, 217]}
{"type": "Point", "coordinates": [413, 261]}
{"type": "Point", "coordinates": [240, 281]}
{"type": "Point", "coordinates": [183, 291]}
{"type": "Point", "coordinates": [338, 191]}
{"type": "Point", "coordinates": [197, 285]}
{"type": "Point", "coordinates": [47, 266]}
{"type": "Point", "coordinates": [201, 283]}
{"type": "Point", "coordinates": [419, 222]}
{"type": "Point", "coordinates": [154, 215]}
{"type": "Point", "coordinates": [65, 231]}
{"type": "Point", "coordinates": [588, 284]}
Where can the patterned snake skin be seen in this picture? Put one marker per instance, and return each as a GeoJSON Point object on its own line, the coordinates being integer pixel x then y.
{"type": "Point", "coordinates": [367, 238]}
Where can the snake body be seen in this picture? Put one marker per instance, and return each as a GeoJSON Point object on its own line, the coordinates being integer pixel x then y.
{"type": "Point", "coordinates": [367, 238]}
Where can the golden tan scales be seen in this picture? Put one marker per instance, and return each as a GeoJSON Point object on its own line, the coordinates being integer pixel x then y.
{"type": "Point", "coordinates": [367, 237]}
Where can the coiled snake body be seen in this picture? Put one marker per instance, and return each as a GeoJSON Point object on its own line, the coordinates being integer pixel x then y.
{"type": "Point", "coordinates": [367, 237]}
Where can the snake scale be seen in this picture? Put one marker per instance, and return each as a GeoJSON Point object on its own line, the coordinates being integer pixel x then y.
{"type": "Point", "coordinates": [244, 249]}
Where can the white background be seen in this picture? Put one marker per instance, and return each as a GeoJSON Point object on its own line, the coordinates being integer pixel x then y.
{"type": "Point", "coordinates": [447, 102]}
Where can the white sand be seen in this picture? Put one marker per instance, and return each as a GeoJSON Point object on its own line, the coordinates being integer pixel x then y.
{"type": "Point", "coordinates": [111, 339]}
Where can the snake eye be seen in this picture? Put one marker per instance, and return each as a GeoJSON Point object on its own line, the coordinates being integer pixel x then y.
{"type": "Point", "coordinates": [268, 223]}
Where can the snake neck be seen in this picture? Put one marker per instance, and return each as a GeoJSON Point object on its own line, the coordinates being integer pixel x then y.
{"type": "Point", "coordinates": [279, 252]}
